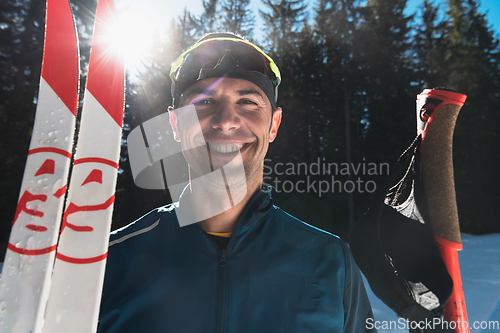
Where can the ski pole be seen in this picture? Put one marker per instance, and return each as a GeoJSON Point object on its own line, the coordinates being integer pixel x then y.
{"type": "Point", "coordinates": [437, 111]}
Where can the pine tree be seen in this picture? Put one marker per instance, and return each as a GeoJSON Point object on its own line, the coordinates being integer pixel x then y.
{"type": "Point", "coordinates": [335, 32]}
{"type": "Point", "coordinates": [185, 31]}
{"type": "Point", "coordinates": [210, 15]}
{"type": "Point", "coordinates": [429, 46]}
{"type": "Point", "coordinates": [209, 20]}
{"type": "Point", "coordinates": [283, 24]}
{"type": "Point", "coordinates": [471, 48]}
{"type": "Point", "coordinates": [472, 67]}
{"type": "Point", "coordinates": [237, 18]}
{"type": "Point", "coordinates": [304, 133]}
{"type": "Point", "coordinates": [383, 56]}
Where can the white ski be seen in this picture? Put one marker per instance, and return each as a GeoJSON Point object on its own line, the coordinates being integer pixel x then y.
{"type": "Point", "coordinates": [78, 274]}
{"type": "Point", "coordinates": [25, 279]}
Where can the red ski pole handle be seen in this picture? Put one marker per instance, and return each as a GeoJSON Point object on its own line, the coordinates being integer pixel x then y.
{"type": "Point", "coordinates": [437, 111]}
{"type": "Point", "coordinates": [455, 312]}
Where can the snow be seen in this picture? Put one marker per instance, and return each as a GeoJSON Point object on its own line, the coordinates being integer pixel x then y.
{"type": "Point", "coordinates": [480, 267]}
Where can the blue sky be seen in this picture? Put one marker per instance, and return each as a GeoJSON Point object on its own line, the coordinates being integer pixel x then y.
{"type": "Point", "coordinates": [160, 12]}
{"type": "Point", "coordinates": [491, 7]}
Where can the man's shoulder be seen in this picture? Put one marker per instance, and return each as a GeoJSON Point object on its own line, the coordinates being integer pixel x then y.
{"type": "Point", "coordinates": [145, 224]}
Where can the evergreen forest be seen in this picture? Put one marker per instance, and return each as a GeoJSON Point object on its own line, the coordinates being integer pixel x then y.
{"type": "Point", "coordinates": [350, 70]}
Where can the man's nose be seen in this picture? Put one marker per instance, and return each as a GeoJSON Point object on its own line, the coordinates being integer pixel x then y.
{"type": "Point", "coordinates": [226, 117]}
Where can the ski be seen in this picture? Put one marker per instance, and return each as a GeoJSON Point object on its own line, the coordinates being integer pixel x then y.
{"type": "Point", "coordinates": [27, 267]}
{"type": "Point", "coordinates": [78, 273]}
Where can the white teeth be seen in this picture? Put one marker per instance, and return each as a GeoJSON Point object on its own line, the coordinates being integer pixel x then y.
{"type": "Point", "coordinates": [225, 148]}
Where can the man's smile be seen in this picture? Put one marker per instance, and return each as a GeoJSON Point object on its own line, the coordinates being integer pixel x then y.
{"type": "Point", "coordinates": [225, 145]}
{"type": "Point", "coordinates": [225, 148]}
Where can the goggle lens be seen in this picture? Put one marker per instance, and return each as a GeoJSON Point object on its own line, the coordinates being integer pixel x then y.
{"type": "Point", "coordinates": [206, 55]}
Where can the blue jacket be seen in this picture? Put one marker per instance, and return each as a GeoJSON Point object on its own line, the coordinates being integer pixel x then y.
{"type": "Point", "coordinates": [277, 274]}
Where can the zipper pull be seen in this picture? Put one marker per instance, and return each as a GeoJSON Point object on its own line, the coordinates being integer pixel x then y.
{"type": "Point", "coordinates": [222, 258]}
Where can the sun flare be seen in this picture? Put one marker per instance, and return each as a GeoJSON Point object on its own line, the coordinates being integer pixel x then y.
{"type": "Point", "coordinates": [132, 34]}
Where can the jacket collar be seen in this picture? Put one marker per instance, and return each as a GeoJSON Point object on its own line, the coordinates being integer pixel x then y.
{"type": "Point", "coordinates": [256, 209]}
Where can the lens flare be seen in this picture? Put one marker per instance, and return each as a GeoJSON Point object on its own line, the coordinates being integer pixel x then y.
{"type": "Point", "coordinates": [132, 34]}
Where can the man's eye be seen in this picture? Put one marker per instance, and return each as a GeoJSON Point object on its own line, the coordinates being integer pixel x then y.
{"type": "Point", "coordinates": [202, 102]}
{"type": "Point", "coordinates": [247, 101]}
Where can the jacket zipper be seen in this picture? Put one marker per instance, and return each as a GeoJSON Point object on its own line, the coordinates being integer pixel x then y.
{"type": "Point", "coordinates": [221, 292]}
{"type": "Point", "coordinates": [222, 277]}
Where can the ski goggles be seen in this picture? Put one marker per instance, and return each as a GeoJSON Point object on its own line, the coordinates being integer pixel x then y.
{"type": "Point", "coordinates": [228, 57]}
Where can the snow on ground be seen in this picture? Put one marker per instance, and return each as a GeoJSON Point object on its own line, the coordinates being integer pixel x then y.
{"type": "Point", "coordinates": [480, 267]}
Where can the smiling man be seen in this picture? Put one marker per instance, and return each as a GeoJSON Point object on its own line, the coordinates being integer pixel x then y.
{"type": "Point", "coordinates": [230, 126]}
{"type": "Point", "coordinates": [224, 258]}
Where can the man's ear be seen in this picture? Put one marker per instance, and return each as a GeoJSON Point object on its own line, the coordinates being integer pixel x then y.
{"type": "Point", "coordinates": [174, 122]}
{"type": "Point", "coordinates": [275, 124]}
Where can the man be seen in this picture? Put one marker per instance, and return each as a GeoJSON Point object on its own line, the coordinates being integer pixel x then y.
{"type": "Point", "coordinates": [238, 264]}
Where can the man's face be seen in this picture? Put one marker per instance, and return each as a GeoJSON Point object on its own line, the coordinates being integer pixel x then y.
{"type": "Point", "coordinates": [233, 114]}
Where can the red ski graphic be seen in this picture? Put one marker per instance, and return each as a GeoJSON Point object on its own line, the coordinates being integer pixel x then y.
{"type": "Point", "coordinates": [80, 261]}
{"type": "Point", "coordinates": [29, 259]}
